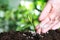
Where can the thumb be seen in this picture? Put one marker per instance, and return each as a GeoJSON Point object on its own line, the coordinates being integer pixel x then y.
{"type": "Point", "coordinates": [45, 12]}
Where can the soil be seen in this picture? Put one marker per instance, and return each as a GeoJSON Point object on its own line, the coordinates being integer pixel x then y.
{"type": "Point", "coordinates": [16, 35]}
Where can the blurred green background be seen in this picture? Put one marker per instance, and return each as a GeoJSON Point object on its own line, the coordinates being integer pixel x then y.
{"type": "Point", "coordinates": [20, 15]}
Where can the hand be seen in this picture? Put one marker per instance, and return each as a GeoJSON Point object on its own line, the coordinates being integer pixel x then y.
{"type": "Point", "coordinates": [50, 17]}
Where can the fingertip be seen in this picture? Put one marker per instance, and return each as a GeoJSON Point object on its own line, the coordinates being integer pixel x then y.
{"type": "Point", "coordinates": [39, 31]}
{"type": "Point", "coordinates": [57, 27]}
{"type": "Point", "coordinates": [37, 27]}
{"type": "Point", "coordinates": [41, 18]}
{"type": "Point", "coordinates": [44, 31]}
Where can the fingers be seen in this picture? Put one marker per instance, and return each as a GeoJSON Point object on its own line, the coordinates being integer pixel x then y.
{"type": "Point", "coordinates": [44, 26]}
{"type": "Point", "coordinates": [53, 21]}
{"type": "Point", "coordinates": [45, 12]}
{"type": "Point", "coordinates": [38, 29]}
{"type": "Point", "coordinates": [49, 19]}
{"type": "Point", "coordinates": [56, 26]}
{"type": "Point", "coordinates": [44, 22]}
{"type": "Point", "coordinates": [47, 27]}
{"type": "Point", "coordinates": [52, 16]}
{"type": "Point", "coordinates": [50, 26]}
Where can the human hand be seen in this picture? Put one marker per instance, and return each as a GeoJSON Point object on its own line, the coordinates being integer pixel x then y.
{"type": "Point", "coordinates": [50, 17]}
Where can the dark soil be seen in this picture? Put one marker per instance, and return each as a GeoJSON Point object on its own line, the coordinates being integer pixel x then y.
{"type": "Point", "coordinates": [12, 35]}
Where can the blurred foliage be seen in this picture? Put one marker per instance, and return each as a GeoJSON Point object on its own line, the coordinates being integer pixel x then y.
{"type": "Point", "coordinates": [20, 15]}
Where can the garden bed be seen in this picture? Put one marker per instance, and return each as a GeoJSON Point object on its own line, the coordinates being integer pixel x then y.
{"type": "Point", "coordinates": [16, 35]}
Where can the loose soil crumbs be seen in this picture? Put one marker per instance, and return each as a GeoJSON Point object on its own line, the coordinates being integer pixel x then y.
{"type": "Point", "coordinates": [16, 35]}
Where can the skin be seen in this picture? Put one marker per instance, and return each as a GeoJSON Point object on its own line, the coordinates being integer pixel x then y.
{"type": "Point", "coordinates": [50, 17]}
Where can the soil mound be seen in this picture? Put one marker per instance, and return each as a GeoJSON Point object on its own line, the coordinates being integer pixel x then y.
{"type": "Point", "coordinates": [16, 35]}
